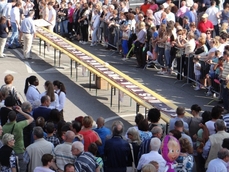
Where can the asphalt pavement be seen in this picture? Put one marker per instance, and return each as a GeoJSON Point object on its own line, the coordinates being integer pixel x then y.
{"type": "Point", "coordinates": [81, 100]}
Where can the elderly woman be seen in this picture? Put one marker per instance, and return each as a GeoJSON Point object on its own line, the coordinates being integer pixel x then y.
{"type": "Point", "coordinates": [139, 44]}
{"type": "Point", "coordinates": [8, 161]}
{"type": "Point", "coordinates": [135, 141]}
{"type": "Point", "coordinates": [89, 135]}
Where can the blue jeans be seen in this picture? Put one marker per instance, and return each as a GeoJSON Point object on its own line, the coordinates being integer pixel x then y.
{"type": "Point", "coordinates": [64, 27]}
{"type": "Point", "coordinates": [14, 36]}
{"type": "Point", "coordinates": [56, 29]}
{"type": "Point", "coordinates": [168, 58]}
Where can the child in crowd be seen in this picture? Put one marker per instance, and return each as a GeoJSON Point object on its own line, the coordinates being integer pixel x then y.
{"type": "Point", "coordinates": [50, 134]}
{"type": "Point", "coordinates": [154, 41]}
{"type": "Point", "coordinates": [211, 75]}
{"type": "Point", "coordinates": [197, 68]}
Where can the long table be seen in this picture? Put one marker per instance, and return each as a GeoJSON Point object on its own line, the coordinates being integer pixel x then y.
{"type": "Point", "coordinates": [142, 95]}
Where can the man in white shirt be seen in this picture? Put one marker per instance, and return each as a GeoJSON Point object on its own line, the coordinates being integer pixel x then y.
{"type": "Point", "coordinates": [212, 16]}
{"type": "Point", "coordinates": [157, 16]}
{"type": "Point", "coordinates": [219, 164]}
{"type": "Point", "coordinates": [15, 26]}
{"type": "Point", "coordinates": [7, 9]}
{"type": "Point", "coordinates": [51, 16]}
{"type": "Point", "coordinates": [153, 155]}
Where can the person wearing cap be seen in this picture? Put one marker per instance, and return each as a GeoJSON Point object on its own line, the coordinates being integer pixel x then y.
{"type": "Point", "coordinates": [205, 25]}
{"type": "Point", "coordinates": [16, 128]}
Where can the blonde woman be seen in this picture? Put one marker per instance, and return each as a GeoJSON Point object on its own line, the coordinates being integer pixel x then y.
{"type": "Point", "coordinates": [139, 44]}
{"type": "Point", "coordinates": [224, 28]}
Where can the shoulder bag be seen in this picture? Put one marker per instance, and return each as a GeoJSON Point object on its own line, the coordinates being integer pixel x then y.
{"type": "Point", "coordinates": [133, 168]}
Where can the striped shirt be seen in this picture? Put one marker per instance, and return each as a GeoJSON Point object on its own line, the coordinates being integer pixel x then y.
{"type": "Point", "coordinates": [85, 162]}
{"type": "Point", "coordinates": [63, 155]}
{"type": "Point", "coordinates": [225, 69]}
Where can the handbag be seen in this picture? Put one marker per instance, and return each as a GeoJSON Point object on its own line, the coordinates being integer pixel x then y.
{"type": "Point", "coordinates": [133, 167]}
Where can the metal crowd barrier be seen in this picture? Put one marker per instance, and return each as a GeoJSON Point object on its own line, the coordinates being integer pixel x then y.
{"type": "Point", "coordinates": [142, 95]}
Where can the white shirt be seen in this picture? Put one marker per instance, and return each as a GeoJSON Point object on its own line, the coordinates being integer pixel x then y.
{"type": "Point", "coordinates": [171, 17]}
{"type": "Point", "coordinates": [15, 15]}
{"type": "Point", "coordinates": [54, 104]}
{"type": "Point", "coordinates": [152, 156]}
{"type": "Point", "coordinates": [33, 96]}
{"type": "Point", "coordinates": [157, 16]}
{"type": "Point", "coordinates": [62, 99]}
{"type": "Point", "coordinates": [42, 169]}
{"type": "Point", "coordinates": [211, 127]}
{"type": "Point", "coordinates": [125, 9]}
{"type": "Point", "coordinates": [52, 13]}
{"type": "Point", "coordinates": [212, 11]}
{"type": "Point", "coordinates": [7, 10]}
{"type": "Point", "coordinates": [221, 48]}
{"type": "Point", "coordinates": [217, 165]}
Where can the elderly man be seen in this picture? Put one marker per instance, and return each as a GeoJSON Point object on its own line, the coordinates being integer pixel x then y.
{"type": "Point", "coordinates": [180, 115]}
{"type": "Point", "coordinates": [85, 161]}
{"type": "Point", "coordinates": [35, 151]}
{"type": "Point", "coordinates": [213, 145]}
{"type": "Point", "coordinates": [145, 145]}
{"type": "Point", "coordinates": [62, 152]}
{"type": "Point", "coordinates": [28, 29]}
{"type": "Point", "coordinates": [116, 150]}
{"type": "Point", "coordinates": [153, 155]}
{"type": "Point", "coordinates": [103, 133]}
{"type": "Point", "coordinates": [27, 108]}
{"type": "Point", "coordinates": [220, 163]}
{"type": "Point", "coordinates": [204, 25]}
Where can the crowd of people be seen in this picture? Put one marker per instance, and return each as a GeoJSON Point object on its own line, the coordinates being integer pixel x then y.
{"type": "Point", "coordinates": [36, 138]}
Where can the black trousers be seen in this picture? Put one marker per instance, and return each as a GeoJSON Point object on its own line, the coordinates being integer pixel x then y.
{"type": "Point", "coordinates": [84, 31]}
{"type": "Point", "coordinates": [139, 54]}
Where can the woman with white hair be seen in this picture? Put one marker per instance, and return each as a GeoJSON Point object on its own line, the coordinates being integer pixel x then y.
{"type": "Point", "coordinates": [135, 141]}
{"type": "Point", "coordinates": [8, 161]}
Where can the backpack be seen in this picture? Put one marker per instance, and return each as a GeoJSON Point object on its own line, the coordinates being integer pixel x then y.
{"type": "Point", "coordinates": [13, 93]}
